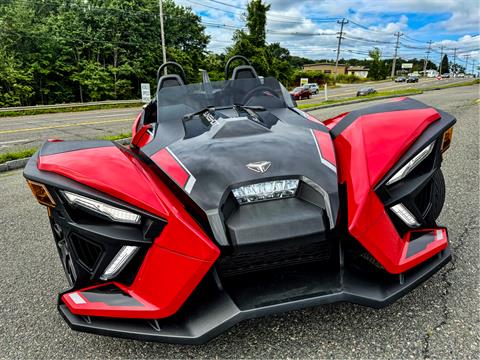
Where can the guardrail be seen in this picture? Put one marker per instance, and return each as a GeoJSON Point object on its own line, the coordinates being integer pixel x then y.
{"type": "Point", "coordinates": [69, 105]}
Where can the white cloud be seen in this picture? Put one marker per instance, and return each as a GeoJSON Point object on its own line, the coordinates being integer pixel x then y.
{"type": "Point", "coordinates": [459, 23]}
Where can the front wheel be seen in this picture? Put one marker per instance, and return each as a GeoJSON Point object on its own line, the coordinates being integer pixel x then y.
{"type": "Point", "coordinates": [437, 198]}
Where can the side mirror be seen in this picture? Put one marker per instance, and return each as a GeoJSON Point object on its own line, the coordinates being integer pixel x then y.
{"type": "Point", "coordinates": [142, 137]}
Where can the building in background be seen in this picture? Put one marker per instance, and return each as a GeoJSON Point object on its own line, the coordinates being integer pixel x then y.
{"type": "Point", "coordinates": [359, 71]}
{"type": "Point", "coordinates": [326, 68]}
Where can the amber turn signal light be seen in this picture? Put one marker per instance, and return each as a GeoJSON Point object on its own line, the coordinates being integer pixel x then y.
{"type": "Point", "coordinates": [41, 193]}
{"type": "Point", "coordinates": [447, 139]}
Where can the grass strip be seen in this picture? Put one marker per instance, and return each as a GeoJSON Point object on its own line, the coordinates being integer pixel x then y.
{"type": "Point", "coordinates": [17, 155]}
{"type": "Point", "coordinates": [440, 87]}
{"type": "Point", "coordinates": [68, 109]}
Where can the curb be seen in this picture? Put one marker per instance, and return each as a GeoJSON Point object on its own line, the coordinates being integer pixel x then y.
{"type": "Point", "coordinates": [21, 163]}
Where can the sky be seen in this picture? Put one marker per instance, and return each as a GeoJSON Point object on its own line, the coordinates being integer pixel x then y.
{"type": "Point", "coordinates": [309, 27]}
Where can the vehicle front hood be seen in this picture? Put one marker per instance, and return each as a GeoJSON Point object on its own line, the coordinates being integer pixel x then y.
{"type": "Point", "coordinates": [208, 166]}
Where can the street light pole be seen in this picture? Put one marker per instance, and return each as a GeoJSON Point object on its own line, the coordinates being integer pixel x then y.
{"type": "Point", "coordinates": [162, 34]}
{"type": "Point", "coordinates": [466, 63]}
{"type": "Point", "coordinates": [454, 61]}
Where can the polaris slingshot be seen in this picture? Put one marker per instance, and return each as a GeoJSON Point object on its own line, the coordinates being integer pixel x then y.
{"type": "Point", "coordinates": [231, 203]}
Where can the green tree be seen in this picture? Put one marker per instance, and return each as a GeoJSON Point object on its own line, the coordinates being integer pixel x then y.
{"type": "Point", "coordinates": [81, 50]}
{"type": "Point", "coordinates": [257, 22]}
{"type": "Point", "coordinates": [376, 70]}
{"type": "Point", "coordinates": [444, 64]}
{"type": "Point", "coordinates": [268, 60]}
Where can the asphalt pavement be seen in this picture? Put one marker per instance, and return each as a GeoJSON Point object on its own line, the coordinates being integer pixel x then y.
{"type": "Point", "coordinates": [350, 90]}
{"type": "Point", "coordinates": [440, 319]}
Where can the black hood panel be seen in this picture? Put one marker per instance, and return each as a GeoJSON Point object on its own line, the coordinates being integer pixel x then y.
{"type": "Point", "coordinates": [217, 160]}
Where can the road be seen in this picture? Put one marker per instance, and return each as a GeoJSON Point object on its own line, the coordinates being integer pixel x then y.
{"type": "Point", "coordinates": [350, 90]}
{"type": "Point", "coordinates": [25, 132]}
{"type": "Point", "coordinates": [440, 319]}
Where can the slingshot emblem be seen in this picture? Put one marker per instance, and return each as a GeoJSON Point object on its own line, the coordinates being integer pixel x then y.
{"type": "Point", "coordinates": [259, 166]}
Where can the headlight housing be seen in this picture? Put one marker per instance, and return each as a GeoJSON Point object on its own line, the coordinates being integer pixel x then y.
{"type": "Point", "coordinates": [269, 190]}
{"type": "Point", "coordinates": [111, 212]}
{"type": "Point", "coordinates": [408, 167]}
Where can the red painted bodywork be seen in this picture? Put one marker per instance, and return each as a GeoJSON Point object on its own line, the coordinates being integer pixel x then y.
{"type": "Point", "coordinates": [330, 123]}
{"type": "Point", "coordinates": [325, 144]}
{"type": "Point", "coordinates": [142, 137]}
{"type": "Point", "coordinates": [135, 124]}
{"type": "Point", "coordinates": [365, 151]}
{"type": "Point", "coordinates": [178, 259]}
{"type": "Point", "coordinates": [170, 166]}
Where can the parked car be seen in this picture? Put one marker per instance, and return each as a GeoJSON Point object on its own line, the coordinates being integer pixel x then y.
{"type": "Point", "coordinates": [412, 79]}
{"type": "Point", "coordinates": [461, 75]}
{"type": "Point", "coordinates": [446, 75]}
{"type": "Point", "coordinates": [366, 91]}
{"type": "Point", "coordinates": [400, 79]}
{"type": "Point", "coordinates": [300, 92]}
{"type": "Point", "coordinates": [312, 87]}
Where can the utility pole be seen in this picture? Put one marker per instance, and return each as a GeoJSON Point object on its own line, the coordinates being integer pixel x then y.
{"type": "Point", "coordinates": [162, 34]}
{"type": "Point", "coordinates": [454, 61]}
{"type": "Point", "coordinates": [397, 34]}
{"type": "Point", "coordinates": [340, 34]}
{"type": "Point", "coordinates": [426, 58]}
{"type": "Point", "coordinates": [466, 63]}
{"type": "Point", "coordinates": [473, 66]}
{"type": "Point", "coordinates": [441, 60]}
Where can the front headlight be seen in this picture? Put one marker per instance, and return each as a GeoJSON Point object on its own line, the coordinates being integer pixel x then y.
{"type": "Point", "coordinates": [111, 212]}
{"type": "Point", "coordinates": [408, 167]}
{"type": "Point", "coordinates": [269, 190]}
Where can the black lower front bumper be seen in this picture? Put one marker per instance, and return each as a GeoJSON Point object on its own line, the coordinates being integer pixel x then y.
{"type": "Point", "coordinates": [214, 308]}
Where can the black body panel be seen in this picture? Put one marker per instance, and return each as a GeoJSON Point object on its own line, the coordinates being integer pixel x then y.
{"type": "Point", "coordinates": [211, 310]}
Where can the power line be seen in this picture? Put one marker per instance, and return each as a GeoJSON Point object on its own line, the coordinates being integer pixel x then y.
{"type": "Point", "coordinates": [277, 16]}
{"type": "Point", "coordinates": [419, 41]}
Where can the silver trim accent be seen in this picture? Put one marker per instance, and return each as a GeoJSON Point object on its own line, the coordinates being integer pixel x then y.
{"type": "Point", "coordinates": [77, 299]}
{"type": "Point", "coordinates": [439, 235]}
{"type": "Point", "coordinates": [259, 166]}
{"type": "Point", "coordinates": [323, 161]}
{"type": "Point", "coordinates": [110, 275]}
{"type": "Point", "coordinates": [403, 213]}
{"type": "Point", "coordinates": [326, 198]}
{"type": "Point", "coordinates": [191, 179]}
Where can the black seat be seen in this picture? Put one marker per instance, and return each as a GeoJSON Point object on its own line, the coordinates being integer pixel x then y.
{"type": "Point", "coordinates": [169, 81]}
{"type": "Point", "coordinates": [244, 72]}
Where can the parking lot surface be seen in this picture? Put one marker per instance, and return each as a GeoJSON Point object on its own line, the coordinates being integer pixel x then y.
{"type": "Point", "coordinates": [440, 319]}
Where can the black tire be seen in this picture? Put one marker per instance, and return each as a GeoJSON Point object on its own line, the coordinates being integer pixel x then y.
{"type": "Point", "coordinates": [438, 198]}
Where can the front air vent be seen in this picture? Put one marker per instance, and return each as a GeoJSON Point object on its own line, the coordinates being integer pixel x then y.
{"type": "Point", "coordinates": [272, 258]}
{"type": "Point", "coordinates": [88, 252]}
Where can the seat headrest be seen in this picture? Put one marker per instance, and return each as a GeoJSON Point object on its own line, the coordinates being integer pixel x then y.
{"type": "Point", "coordinates": [170, 80]}
{"type": "Point", "coordinates": [244, 72]}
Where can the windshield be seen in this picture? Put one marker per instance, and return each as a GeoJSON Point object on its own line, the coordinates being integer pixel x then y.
{"type": "Point", "coordinates": [297, 89]}
{"type": "Point", "coordinates": [178, 101]}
